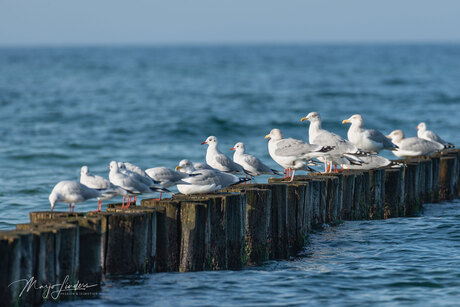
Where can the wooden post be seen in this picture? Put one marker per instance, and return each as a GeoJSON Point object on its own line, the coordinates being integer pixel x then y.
{"type": "Point", "coordinates": [412, 195]}
{"type": "Point", "coordinates": [361, 198]}
{"type": "Point", "coordinates": [91, 249]}
{"type": "Point", "coordinates": [279, 247]}
{"type": "Point", "coordinates": [394, 192]}
{"type": "Point", "coordinates": [10, 251]}
{"type": "Point", "coordinates": [144, 240]}
{"type": "Point", "coordinates": [168, 233]}
{"type": "Point", "coordinates": [435, 165]}
{"type": "Point", "coordinates": [61, 241]}
{"type": "Point", "coordinates": [193, 253]}
{"type": "Point", "coordinates": [349, 179]}
{"type": "Point", "coordinates": [447, 177]}
{"type": "Point", "coordinates": [258, 204]}
{"type": "Point", "coordinates": [377, 190]}
{"type": "Point", "coordinates": [428, 180]}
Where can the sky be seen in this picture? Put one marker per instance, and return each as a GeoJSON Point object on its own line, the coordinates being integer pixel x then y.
{"type": "Point", "coordinates": [120, 22]}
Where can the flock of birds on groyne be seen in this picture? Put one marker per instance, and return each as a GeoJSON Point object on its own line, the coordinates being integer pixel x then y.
{"type": "Point", "coordinates": [360, 151]}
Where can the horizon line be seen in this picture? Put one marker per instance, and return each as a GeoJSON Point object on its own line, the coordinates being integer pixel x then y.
{"type": "Point", "coordinates": [228, 43]}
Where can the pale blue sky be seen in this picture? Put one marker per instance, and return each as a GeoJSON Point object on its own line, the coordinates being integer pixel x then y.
{"type": "Point", "coordinates": [89, 22]}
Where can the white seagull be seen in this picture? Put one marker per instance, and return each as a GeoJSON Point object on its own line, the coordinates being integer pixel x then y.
{"type": "Point", "coordinates": [344, 152]}
{"type": "Point", "coordinates": [218, 160]}
{"type": "Point", "coordinates": [293, 154]}
{"type": "Point", "coordinates": [431, 136]}
{"type": "Point", "coordinates": [132, 184]}
{"type": "Point", "coordinates": [413, 146]}
{"type": "Point", "coordinates": [73, 192]}
{"type": "Point", "coordinates": [99, 183]}
{"type": "Point", "coordinates": [204, 180]}
{"type": "Point", "coordinates": [251, 164]}
{"type": "Point", "coordinates": [370, 140]}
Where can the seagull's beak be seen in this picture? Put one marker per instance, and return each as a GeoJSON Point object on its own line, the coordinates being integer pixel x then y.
{"type": "Point", "coordinates": [267, 136]}
{"type": "Point", "coordinates": [388, 136]}
{"type": "Point", "coordinates": [233, 148]}
{"type": "Point", "coordinates": [345, 121]}
{"type": "Point", "coordinates": [178, 167]}
{"type": "Point", "coordinates": [204, 143]}
{"type": "Point", "coordinates": [304, 119]}
{"type": "Point", "coordinates": [416, 128]}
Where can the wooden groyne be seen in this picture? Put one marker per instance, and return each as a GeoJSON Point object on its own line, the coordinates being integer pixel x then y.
{"type": "Point", "coordinates": [243, 225]}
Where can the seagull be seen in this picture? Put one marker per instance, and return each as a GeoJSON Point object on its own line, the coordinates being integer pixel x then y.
{"type": "Point", "coordinates": [370, 140]}
{"type": "Point", "coordinates": [292, 154]}
{"type": "Point", "coordinates": [73, 192]}
{"type": "Point", "coordinates": [136, 172]}
{"type": "Point", "coordinates": [204, 181]}
{"type": "Point", "coordinates": [344, 152]}
{"type": "Point", "coordinates": [413, 146]}
{"type": "Point", "coordinates": [431, 136]}
{"type": "Point", "coordinates": [166, 177]}
{"type": "Point", "coordinates": [130, 183]}
{"type": "Point", "coordinates": [251, 164]}
{"type": "Point", "coordinates": [100, 183]}
{"type": "Point", "coordinates": [218, 160]}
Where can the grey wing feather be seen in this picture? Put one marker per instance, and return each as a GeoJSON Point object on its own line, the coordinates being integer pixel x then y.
{"type": "Point", "coordinates": [256, 163]}
{"type": "Point", "coordinates": [433, 136]}
{"type": "Point", "coordinates": [293, 147]}
{"type": "Point", "coordinates": [229, 165]}
{"type": "Point", "coordinates": [378, 137]}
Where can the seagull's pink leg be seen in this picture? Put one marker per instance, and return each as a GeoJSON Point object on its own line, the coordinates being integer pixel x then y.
{"type": "Point", "coordinates": [99, 205]}
{"type": "Point", "coordinates": [160, 195]}
{"type": "Point", "coordinates": [134, 198]}
{"type": "Point", "coordinates": [70, 208]}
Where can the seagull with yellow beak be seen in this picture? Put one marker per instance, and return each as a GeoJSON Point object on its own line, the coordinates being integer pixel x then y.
{"type": "Point", "coordinates": [293, 154]}
{"type": "Point", "coordinates": [344, 152]}
{"type": "Point", "coordinates": [370, 140]}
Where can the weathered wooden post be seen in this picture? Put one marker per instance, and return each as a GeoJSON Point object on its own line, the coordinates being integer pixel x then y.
{"type": "Point", "coordinates": [61, 241]}
{"type": "Point", "coordinates": [144, 240]}
{"type": "Point", "coordinates": [447, 177]}
{"type": "Point", "coordinates": [377, 190]}
{"type": "Point", "coordinates": [168, 233]}
{"type": "Point", "coordinates": [193, 249]}
{"type": "Point", "coordinates": [91, 247]}
{"type": "Point", "coordinates": [258, 205]}
{"type": "Point", "coordinates": [349, 179]}
{"type": "Point", "coordinates": [435, 166]}
{"type": "Point", "coordinates": [361, 198]}
{"type": "Point", "coordinates": [10, 251]}
{"type": "Point", "coordinates": [412, 195]}
{"type": "Point", "coordinates": [428, 180]}
{"type": "Point", "coordinates": [279, 247]}
{"type": "Point", "coordinates": [394, 192]}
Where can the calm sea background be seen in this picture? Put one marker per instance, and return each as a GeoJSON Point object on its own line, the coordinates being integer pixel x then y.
{"type": "Point", "coordinates": [61, 108]}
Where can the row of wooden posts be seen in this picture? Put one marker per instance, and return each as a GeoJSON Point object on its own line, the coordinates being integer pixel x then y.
{"type": "Point", "coordinates": [243, 225]}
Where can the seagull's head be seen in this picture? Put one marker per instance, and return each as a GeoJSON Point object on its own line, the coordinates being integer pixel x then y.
{"type": "Point", "coordinates": [210, 140]}
{"type": "Point", "coordinates": [356, 119]}
{"type": "Point", "coordinates": [421, 126]}
{"type": "Point", "coordinates": [84, 170]}
{"type": "Point", "coordinates": [238, 147]}
{"type": "Point", "coordinates": [185, 166]}
{"type": "Point", "coordinates": [312, 117]}
{"type": "Point", "coordinates": [396, 135]}
{"type": "Point", "coordinates": [53, 199]}
{"type": "Point", "coordinates": [275, 135]}
{"type": "Point", "coordinates": [113, 165]}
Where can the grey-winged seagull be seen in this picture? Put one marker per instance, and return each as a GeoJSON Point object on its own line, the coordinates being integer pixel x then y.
{"type": "Point", "coordinates": [370, 140]}
{"type": "Point", "coordinates": [414, 146]}
{"type": "Point", "coordinates": [429, 135]}
{"type": "Point", "coordinates": [293, 154]}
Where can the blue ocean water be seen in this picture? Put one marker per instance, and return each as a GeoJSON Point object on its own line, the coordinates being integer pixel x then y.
{"type": "Point", "coordinates": [61, 108]}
